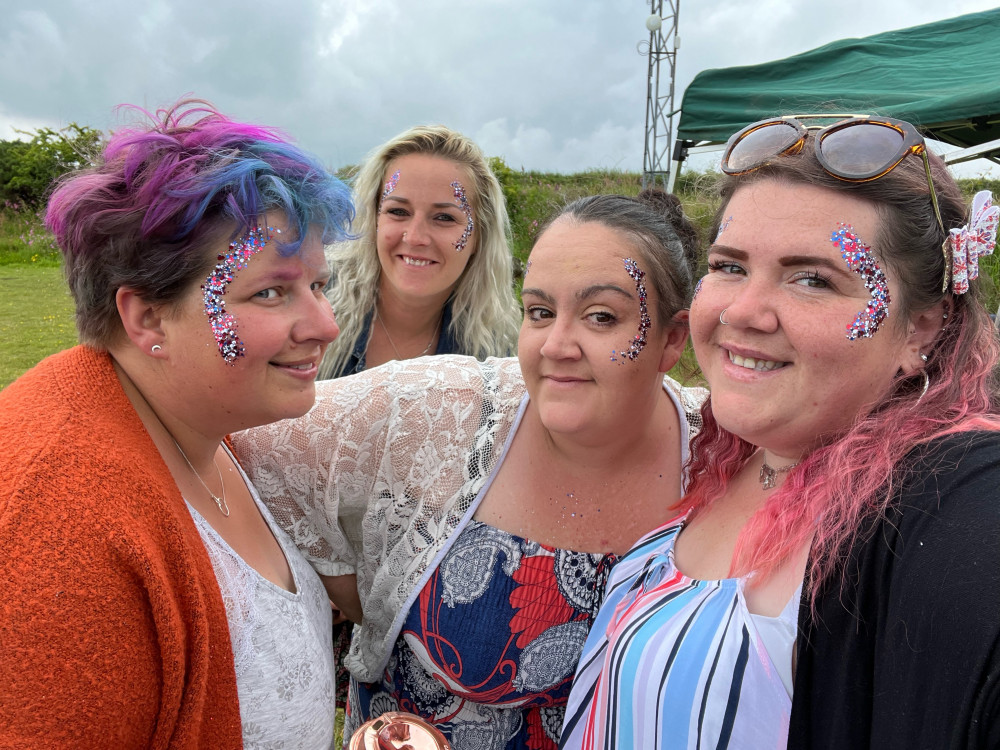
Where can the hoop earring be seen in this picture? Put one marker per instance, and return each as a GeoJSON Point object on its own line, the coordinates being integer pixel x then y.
{"type": "Point", "coordinates": [927, 384]}
{"type": "Point", "coordinates": [722, 319]}
{"type": "Point", "coordinates": [155, 348]}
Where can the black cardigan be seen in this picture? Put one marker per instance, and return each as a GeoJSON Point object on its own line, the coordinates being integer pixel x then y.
{"type": "Point", "coordinates": [906, 649]}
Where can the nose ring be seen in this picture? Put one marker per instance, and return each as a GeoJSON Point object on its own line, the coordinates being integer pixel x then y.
{"type": "Point", "coordinates": [722, 319]}
{"type": "Point", "coordinates": [404, 236]}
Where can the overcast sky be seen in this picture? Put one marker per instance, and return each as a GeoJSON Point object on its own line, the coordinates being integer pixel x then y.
{"type": "Point", "coordinates": [548, 85]}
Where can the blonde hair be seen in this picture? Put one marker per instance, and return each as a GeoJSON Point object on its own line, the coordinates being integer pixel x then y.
{"type": "Point", "coordinates": [485, 313]}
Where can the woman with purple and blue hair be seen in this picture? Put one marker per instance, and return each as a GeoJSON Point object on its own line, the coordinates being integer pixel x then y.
{"type": "Point", "coordinates": [150, 599]}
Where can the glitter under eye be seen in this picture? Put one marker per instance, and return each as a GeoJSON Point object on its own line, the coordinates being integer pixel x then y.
{"type": "Point", "coordinates": [639, 342]}
{"type": "Point", "coordinates": [222, 321]}
{"type": "Point", "coordinates": [859, 259]}
{"type": "Point", "coordinates": [463, 201]}
{"type": "Point", "coordinates": [390, 185]}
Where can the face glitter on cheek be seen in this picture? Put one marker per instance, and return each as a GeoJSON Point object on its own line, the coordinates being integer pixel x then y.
{"type": "Point", "coordinates": [463, 201]}
{"type": "Point", "coordinates": [639, 342]}
{"type": "Point", "coordinates": [859, 258]}
{"type": "Point", "coordinates": [697, 288]}
{"type": "Point", "coordinates": [390, 185]}
{"type": "Point", "coordinates": [222, 321]}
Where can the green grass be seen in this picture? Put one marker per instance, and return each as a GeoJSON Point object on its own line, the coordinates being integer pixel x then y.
{"type": "Point", "coordinates": [36, 317]}
{"type": "Point", "coordinates": [23, 238]}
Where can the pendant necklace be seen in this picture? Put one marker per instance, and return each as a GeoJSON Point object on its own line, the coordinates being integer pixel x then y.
{"type": "Point", "coordinates": [769, 475]}
{"type": "Point", "coordinates": [389, 338]}
{"type": "Point", "coordinates": [220, 502]}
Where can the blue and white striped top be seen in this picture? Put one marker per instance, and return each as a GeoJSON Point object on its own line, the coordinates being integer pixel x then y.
{"type": "Point", "coordinates": [673, 662]}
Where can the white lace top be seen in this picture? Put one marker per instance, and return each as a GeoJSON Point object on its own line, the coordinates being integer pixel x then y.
{"type": "Point", "coordinates": [383, 471]}
{"type": "Point", "coordinates": [281, 645]}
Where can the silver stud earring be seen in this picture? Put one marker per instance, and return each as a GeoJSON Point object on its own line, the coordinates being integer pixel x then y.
{"type": "Point", "coordinates": [924, 357]}
{"type": "Point", "coordinates": [155, 348]}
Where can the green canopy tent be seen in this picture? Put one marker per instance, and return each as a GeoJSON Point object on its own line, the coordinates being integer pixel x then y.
{"type": "Point", "coordinates": [943, 77]}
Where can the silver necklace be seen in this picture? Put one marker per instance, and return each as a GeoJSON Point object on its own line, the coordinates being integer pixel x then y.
{"type": "Point", "coordinates": [769, 475]}
{"type": "Point", "coordinates": [394, 349]}
{"type": "Point", "coordinates": [219, 501]}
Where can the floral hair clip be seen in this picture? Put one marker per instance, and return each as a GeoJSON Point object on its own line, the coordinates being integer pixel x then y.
{"type": "Point", "coordinates": [973, 241]}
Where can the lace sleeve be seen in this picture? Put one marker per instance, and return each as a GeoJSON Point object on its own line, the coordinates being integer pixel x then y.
{"type": "Point", "coordinates": [379, 450]}
{"type": "Point", "coordinates": [292, 464]}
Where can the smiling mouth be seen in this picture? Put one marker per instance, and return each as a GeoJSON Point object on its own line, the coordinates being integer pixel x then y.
{"type": "Point", "coordinates": [416, 261]}
{"type": "Point", "coordinates": [303, 366]}
{"type": "Point", "coordinates": [754, 364]}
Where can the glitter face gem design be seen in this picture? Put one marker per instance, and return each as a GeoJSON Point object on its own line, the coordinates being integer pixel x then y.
{"type": "Point", "coordinates": [723, 226]}
{"type": "Point", "coordinates": [390, 185]}
{"type": "Point", "coordinates": [859, 258]}
{"type": "Point", "coordinates": [697, 288]}
{"type": "Point", "coordinates": [222, 321]}
{"type": "Point", "coordinates": [463, 202]}
{"type": "Point", "coordinates": [639, 342]}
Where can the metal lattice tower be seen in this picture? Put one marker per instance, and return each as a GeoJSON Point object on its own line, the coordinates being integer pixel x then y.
{"type": "Point", "coordinates": [662, 47]}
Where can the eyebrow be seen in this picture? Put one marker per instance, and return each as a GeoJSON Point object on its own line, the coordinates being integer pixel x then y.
{"type": "Point", "coordinates": [289, 274]}
{"type": "Point", "coordinates": [400, 199]}
{"type": "Point", "coordinates": [785, 261]}
{"type": "Point", "coordinates": [586, 293]}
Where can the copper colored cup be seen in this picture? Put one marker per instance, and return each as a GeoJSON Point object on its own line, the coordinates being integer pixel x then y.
{"type": "Point", "coordinates": [397, 730]}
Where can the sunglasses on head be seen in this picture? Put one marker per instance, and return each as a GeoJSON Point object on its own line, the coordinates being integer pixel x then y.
{"type": "Point", "coordinates": [855, 148]}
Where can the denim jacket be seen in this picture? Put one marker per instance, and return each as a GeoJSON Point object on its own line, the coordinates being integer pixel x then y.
{"type": "Point", "coordinates": [447, 344]}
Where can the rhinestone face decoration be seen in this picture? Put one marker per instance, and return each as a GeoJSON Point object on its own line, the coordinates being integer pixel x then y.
{"type": "Point", "coordinates": [723, 226]}
{"type": "Point", "coordinates": [697, 288]}
{"type": "Point", "coordinates": [639, 342]}
{"type": "Point", "coordinates": [222, 321]}
{"type": "Point", "coordinates": [463, 202]}
{"type": "Point", "coordinates": [390, 185]}
{"type": "Point", "coordinates": [859, 258]}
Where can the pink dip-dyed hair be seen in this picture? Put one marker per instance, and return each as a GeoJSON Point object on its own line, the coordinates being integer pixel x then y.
{"type": "Point", "coordinates": [852, 477]}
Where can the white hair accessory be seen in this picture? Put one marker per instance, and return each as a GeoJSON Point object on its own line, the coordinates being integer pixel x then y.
{"type": "Point", "coordinates": [973, 241]}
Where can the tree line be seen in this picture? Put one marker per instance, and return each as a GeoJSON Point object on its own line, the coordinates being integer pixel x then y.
{"type": "Point", "coordinates": [29, 167]}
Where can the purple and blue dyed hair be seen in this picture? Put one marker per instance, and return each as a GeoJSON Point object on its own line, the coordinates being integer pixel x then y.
{"type": "Point", "coordinates": [153, 210]}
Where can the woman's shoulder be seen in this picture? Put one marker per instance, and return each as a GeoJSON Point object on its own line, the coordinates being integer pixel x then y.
{"type": "Point", "coordinates": [947, 500]}
{"type": "Point", "coordinates": [690, 399]}
{"type": "Point", "coordinates": [441, 373]}
{"type": "Point", "coordinates": [957, 461]}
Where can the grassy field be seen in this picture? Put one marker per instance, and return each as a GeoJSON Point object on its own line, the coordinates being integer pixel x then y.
{"type": "Point", "coordinates": [36, 317]}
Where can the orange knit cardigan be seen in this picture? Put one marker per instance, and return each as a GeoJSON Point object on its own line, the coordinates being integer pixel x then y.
{"type": "Point", "coordinates": [113, 632]}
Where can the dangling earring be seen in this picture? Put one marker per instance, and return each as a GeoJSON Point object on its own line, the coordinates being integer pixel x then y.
{"type": "Point", "coordinates": [927, 384]}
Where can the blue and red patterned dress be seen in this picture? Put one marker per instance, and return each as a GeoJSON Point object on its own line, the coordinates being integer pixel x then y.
{"type": "Point", "coordinates": [489, 687]}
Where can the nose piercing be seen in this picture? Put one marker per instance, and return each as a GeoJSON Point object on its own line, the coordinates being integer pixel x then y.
{"type": "Point", "coordinates": [404, 235]}
{"type": "Point", "coordinates": [722, 319]}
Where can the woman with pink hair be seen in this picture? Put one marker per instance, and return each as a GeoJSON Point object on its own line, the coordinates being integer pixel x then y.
{"type": "Point", "coordinates": [832, 578]}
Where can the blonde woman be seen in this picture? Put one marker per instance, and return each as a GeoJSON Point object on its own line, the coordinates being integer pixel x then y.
{"type": "Point", "coordinates": [430, 271]}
